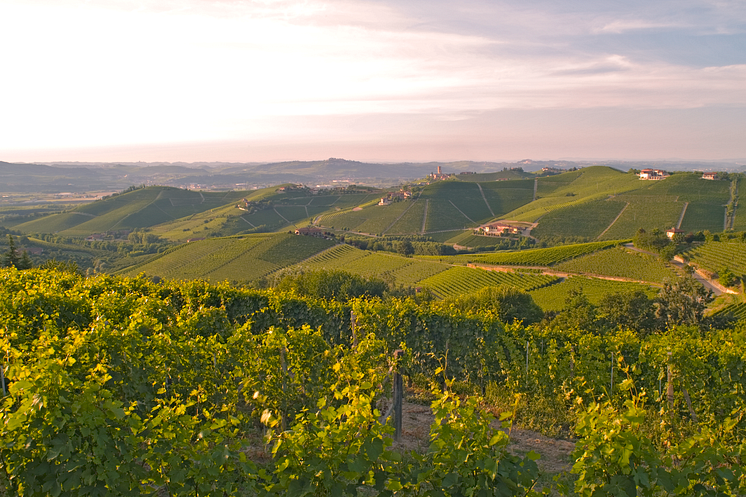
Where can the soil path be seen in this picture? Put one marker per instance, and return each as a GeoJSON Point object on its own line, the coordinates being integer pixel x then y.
{"type": "Point", "coordinates": [485, 199]}
{"type": "Point", "coordinates": [424, 216]}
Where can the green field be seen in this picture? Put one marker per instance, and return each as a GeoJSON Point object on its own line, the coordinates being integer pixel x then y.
{"type": "Point", "coordinates": [141, 208]}
{"type": "Point", "coordinates": [552, 298]}
{"type": "Point", "coordinates": [459, 280]}
{"type": "Point", "coordinates": [505, 196]}
{"type": "Point", "coordinates": [622, 263]}
{"type": "Point", "coordinates": [647, 215]}
{"type": "Point", "coordinates": [411, 220]}
{"type": "Point", "coordinates": [400, 270]}
{"type": "Point", "coordinates": [587, 220]}
{"type": "Point", "coordinates": [242, 258]}
{"type": "Point", "coordinates": [532, 257]}
{"type": "Point", "coordinates": [702, 216]}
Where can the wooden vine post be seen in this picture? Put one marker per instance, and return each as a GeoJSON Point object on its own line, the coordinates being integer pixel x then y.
{"type": "Point", "coordinates": [669, 386]}
{"type": "Point", "coordinates": [284, 366]}
{"type": "Point", "coordinates": [398, 397]}
{"type": "Point", "coordinates": [353, 323]}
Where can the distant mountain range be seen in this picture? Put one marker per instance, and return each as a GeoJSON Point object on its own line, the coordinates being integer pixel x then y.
{"type": "Point", "coordinates": [84, 176]}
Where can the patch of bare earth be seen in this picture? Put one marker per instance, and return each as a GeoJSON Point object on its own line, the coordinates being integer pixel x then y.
{"type": "Point", "coordinates": [555, 454]}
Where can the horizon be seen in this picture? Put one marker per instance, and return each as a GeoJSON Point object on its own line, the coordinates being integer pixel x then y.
{"type": "Point", "coordinates": [275, 81]}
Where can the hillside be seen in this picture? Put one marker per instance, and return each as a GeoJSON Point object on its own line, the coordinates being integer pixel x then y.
{"type": "Point", "coordinates": [238, 259]}
{"type": "Point", "coordinates": [141, 208]}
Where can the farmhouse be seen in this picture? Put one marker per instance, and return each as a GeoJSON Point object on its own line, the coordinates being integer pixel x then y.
{"type": "Point", "coordinates": [674, 231]}
{"type": "Point", "coordinates": [653, 174]}
{"type": "Point", "coordinates": [309, 231]}
{"type": "Point", "coordinates": [497, 229]}
{"type": "Point", "coordinates": [384, 201]}
{"type": "Point", "coordinates": [710, 176]}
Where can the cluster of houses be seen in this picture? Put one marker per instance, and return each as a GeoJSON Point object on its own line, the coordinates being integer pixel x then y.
{"type": "Point", "coordinates": [391, 197]}
{"type": "Point", "coordinates": [656, 174]}
{"type": "Point", "coordinates": [653, 174]}
{"type": "Point", "coordinates": [498, 229]}
{"type": "Point", "coordinates": [440, 175]}
{"type": "Point", "coordinates": [109, 235]}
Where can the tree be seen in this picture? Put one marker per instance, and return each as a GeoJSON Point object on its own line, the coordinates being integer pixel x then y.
{"type": "Point", "coordinates": [11, 256]}
{"type": "Point", "coordinates": [25, 262]}
{"type": "Point", "coordinates": [682, 302]}
{"type": "Point", "coordinates": [579, 313]}
{"type": "Point", "coordinates": [726, 277]}
{"type": "Point", "coordinates": [334, 285]}
{"type": "Point", "coordinates": [629, 310]}
{"type": "Point", "coordinates": [509, 303]}
{"type": "Point", "coordinates": [405, 248]}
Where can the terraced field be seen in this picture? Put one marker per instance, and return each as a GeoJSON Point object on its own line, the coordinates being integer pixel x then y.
{"type": "Point", "coordinates": [552, 298]}
{"type": "Point", "coordinates": [716, 255]}
{"type": "Point", "coordinates": [533, 257]}
{"type": "Point", "coordinates": [622, 263]}
{"type": "Point", "coordinates": [588, 219]}
{"type": "Point", "coordinates": [462, 280]}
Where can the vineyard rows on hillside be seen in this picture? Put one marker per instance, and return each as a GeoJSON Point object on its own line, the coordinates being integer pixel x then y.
{"type": "Point", "coordinates": [587, 220]}
{"type": "Point", "coordinates": [554, 297]}
{"type": "Point", "coordinates": [715, 256]}
{"type": "Point", "coordinates": [461, 281]}
{"type": "Point", "coordinates": [620, 262]}
{"type": "Point", "coordinates": [532, 257]}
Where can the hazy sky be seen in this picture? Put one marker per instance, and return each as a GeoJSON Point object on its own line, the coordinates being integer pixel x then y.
{"type": "Point", "coordinates": [240, 80]}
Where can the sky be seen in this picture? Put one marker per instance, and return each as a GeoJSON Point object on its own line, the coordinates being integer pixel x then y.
{"type": "Point", "coordinates": [373, 80]}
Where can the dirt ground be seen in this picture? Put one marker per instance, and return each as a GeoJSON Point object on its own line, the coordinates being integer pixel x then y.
{"type": "Point", "coordinates": [555, 454]}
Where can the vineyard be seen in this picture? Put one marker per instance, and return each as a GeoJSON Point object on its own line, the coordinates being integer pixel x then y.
{"type": "Point", "coordinates": [715, 256]}
{"type": "Point", "coordinates": [411, 219]}
{"type": "Point", "coordinates": [533, 257]}
{"type": "Point", "coordinates": [401, 270]}
{"type": "Point", "coordinates": [114, 386]}
{"type": "Point", "coordinates": [622, 263]}
{"type": "Point", "coordinates": [588, 220]}
{"type": "Point", "coordinates": [242, 258]}
{"type": "Point", "coordinates": [647, 215]}
{"type": "Point", "coordinates": [554, 298]}
{"type": "Point", "coordinates": [702, 216]}
{"type": "Point", "coordinates": [461, 281]}
{"type": "Point", "coordinates": [736, 310]}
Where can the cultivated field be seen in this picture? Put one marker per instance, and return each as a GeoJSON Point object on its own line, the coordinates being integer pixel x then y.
{"type": "Point", "coordinates": [553, 298]}
{"type": "Point", "coordinates": [622, 263]}
{"type": "Point", "coordinates": [463, 280]}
